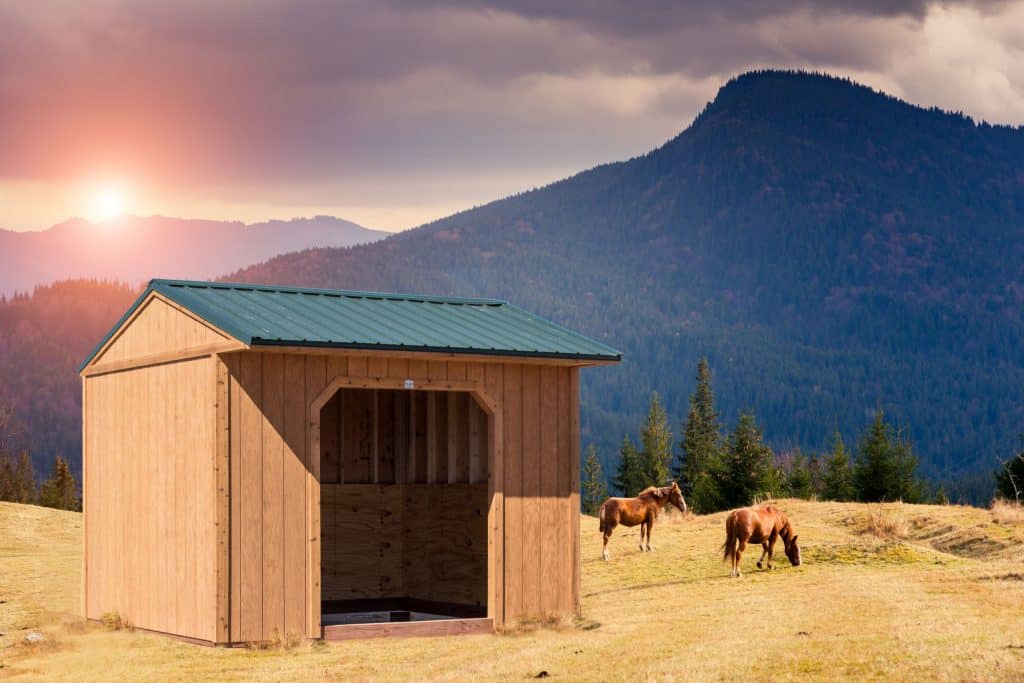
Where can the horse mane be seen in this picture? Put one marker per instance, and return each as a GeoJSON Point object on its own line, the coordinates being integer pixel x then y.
{"type": "Point", "coordinates": [785, 528]}
{"type": "Point", "coordinates": [649, 489]}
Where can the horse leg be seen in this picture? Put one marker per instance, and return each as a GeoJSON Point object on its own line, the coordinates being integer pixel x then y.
{"type": "Point", "coordinates": [764, 551]}
{"type": "Point", "coordinates": [649, 547]}
{"type": "Point", "coordinates": [643, 530]}
{"type": "Point", "coordinates": [607, 534]}
{"type": "Point", "coordinates": [739, 553]}
{"type": "Point", "coordinates": [771, 550]}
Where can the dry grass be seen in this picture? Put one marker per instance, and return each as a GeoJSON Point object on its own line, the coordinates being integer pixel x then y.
{"type": "Point", "coordinates": [885, 523]}
{"type": "Point", "coordinates": [942, 603]}
{"type": "Point", "coordinates": [1007, 512]}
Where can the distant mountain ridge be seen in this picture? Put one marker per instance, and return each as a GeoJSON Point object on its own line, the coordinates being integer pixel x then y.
{"type": "Point", "coordinates": [135, 249]}
{"type": "Point", "coordinates": [830, 248]}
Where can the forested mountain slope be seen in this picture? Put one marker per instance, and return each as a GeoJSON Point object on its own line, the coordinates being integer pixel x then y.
{"type": "Point", "coordinates": [830, 248]}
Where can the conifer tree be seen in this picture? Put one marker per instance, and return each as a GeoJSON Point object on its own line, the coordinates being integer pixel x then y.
{"type": "Point", "coordinates": [886, 467]}
{"type": "Point", "coordinates": [23, 481]}
{"type": "Point", "coordinates": [630, 477]}
{"type": "Point", "coordinates": [656, 442]}
{"type": "Point", "coordinates": [801, 476]}
{"type": "Point", "coordinates": [837, 481]}
{"type": "Point", "coordinates": [1010, 477]}
{"type": "Point", "coordinates": [594, 488]}
{"type": "Point", "coordinates": [746, 469]}
{"type": "Point", "coordinates": [60, 490]}
{"type": "Point", "coordinates": [701, 445]}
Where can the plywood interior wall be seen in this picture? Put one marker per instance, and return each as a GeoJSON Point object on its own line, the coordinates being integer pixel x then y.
{"type": "Point", "coordinates": [149, 497]}
{"type": "Point", "coordinates": [423, 541]}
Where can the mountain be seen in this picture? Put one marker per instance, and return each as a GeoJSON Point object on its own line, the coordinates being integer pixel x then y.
{"type": "Point", "coordinates": [830, 248]}
{"type": "Point", "coordinates": [43, 337]}
{"type": "Point", "coordinates": [135, 249]}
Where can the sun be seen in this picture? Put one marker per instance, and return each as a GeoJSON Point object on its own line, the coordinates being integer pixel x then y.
{"type": "Point", "coordinates": [107, 203]}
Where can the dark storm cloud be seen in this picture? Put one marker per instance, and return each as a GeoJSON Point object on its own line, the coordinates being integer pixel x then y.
{"type": "Point", "coordinates": [319, 95]}
{"type": "Point", "coordinates": [655, 17]}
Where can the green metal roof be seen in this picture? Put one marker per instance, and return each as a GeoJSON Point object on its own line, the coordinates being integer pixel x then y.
{"type": "Point", "coordinates": [261, 315]}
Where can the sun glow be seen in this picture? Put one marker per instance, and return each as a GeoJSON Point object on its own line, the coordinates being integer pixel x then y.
{"type": "Point", "coordinates": [107, 203]}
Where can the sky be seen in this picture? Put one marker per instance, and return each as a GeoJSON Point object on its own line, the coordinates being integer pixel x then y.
{"type": "Point", "coordinates": [394, 113]}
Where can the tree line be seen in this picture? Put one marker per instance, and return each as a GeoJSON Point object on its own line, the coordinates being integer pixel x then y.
{"type": "Point", "coordinates": [18, 483]}
{"type": "Point", "coordinates": [720, 470]}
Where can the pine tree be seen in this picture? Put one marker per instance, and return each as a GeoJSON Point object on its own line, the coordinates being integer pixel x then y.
{"type": "Point", "coordinates": [24, 480]}
{"type": "Point", "coordinates": [1010, 477]}
{"type": "Point", "coordinates": [594, 488]}
{"type": "Point", "coordinates": [837, 481]}
{"type": "Point", "coordinates": [60, 490]}
{"type": "Point", "coordinates": [886, 467]}
{"type": "Point", "coordinates": [701, 445]}
{"type": "Point", "coordinates": [656, 442]}
{"type": "Point", "coordinates": [800, 477]}
{"type": "Point", "coordinates": [630, 477]}
{"type": "Point", "coordinates": [747, 470]}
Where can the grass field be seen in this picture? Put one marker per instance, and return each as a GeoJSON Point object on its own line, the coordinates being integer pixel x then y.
{"type": "Point", "coordinates": [902, 592]}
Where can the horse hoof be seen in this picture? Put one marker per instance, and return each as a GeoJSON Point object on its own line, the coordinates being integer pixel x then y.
{"type": "Point", "coordinates": [641, 547]}
{"type": "Point", "coordinates": [759, 565]}
{"type": "Point", "coordinates": [604, 556]}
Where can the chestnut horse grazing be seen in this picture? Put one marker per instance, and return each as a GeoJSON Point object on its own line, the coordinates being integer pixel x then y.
{"type": "Point", "coordinates": [761, 525]}
{"type": "Point", "coordinates": [642, 510]}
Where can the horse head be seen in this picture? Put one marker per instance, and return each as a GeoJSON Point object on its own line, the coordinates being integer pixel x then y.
{"type": "Point", "coordinates": [675, 496]}
{"type": "Point", "coordinates": [789, 540]}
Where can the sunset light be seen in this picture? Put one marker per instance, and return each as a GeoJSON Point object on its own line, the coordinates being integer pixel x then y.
{"type": "Point", "coordinates": [107, 203]}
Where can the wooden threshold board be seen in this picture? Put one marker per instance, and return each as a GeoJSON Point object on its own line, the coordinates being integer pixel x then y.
{"type": "Point", "coordinates": [409, 629]}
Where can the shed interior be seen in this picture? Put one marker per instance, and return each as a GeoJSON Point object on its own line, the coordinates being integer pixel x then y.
{"type": "Point", "coordinates": [403, 506]}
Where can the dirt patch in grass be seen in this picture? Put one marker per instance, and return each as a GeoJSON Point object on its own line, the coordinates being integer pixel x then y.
{"type": "Point", "coordinates": [1011, 576]}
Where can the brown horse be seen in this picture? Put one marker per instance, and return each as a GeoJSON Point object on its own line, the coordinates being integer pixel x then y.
{"type": "Point", "coordinates": [642, 510]}
{"type": "Point", "coordinates": [761, 525]}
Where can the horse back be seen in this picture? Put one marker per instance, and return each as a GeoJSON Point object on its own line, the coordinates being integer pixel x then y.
{"type": "Point", "coordinates": [753, 524]}
{"type": "Point", "coordinates": [627, 511]}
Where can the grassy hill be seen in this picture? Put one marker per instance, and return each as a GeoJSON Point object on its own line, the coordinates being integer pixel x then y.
{"type": "Point", "coordinates": [938, 598]}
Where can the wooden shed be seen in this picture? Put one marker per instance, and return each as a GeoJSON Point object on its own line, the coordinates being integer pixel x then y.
{"type": "Point", "coordinates": [264, 462]}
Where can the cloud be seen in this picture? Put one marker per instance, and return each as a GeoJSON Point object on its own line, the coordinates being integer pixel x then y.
{"type": "Point", "coordinates": [327, 103]}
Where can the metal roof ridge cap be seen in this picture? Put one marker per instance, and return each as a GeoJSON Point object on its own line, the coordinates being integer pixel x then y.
{"type": "Point", "coordinates": [400, 296]}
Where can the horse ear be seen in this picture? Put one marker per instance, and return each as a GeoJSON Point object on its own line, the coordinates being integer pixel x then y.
{"type": "Point", "coordinates": [793, 540]}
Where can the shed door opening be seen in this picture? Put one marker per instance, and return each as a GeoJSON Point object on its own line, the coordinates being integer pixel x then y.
{"type": "Point", "coordinates": [403, 506]}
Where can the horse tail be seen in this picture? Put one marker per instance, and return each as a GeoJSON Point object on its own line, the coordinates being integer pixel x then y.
{"type": "Point", "coordinates": [729, 547]}
{"type": "Point", "coordinates": [600, 517]}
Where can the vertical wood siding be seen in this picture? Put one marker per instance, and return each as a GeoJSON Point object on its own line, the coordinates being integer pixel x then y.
{"type": "Point", "coordinates": [150, 497]}
{"type": "Point", "coordinates": [157, 327]}
{"type": "Point", "coordinates": [420, 443]}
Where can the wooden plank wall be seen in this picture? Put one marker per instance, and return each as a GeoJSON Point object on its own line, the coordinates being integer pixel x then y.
{"type": "Point", "coordinates": [425, 541]}
{"type": "Point", "coordinates": [150, 497]}
{"type": "Point", "coordinates": [361, 541]}
{"type": "Point", "coordinates": [158, 326]}
{"type": "Point", "coordinates": [444, 538]}
{"type": "Point", "coordinates": [533, 556]}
